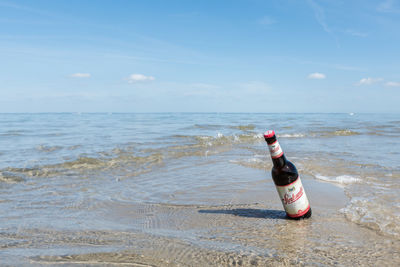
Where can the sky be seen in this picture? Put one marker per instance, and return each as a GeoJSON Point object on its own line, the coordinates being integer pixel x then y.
{"type": "Point", "coordinates": [200, 56]}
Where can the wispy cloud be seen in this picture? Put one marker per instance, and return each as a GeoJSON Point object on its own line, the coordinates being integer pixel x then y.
{"type": "Point", "coordinates": [253, 88]}
{"type": "Point", "coordinates": [356, 33]}
{"type": "Point", "coordinates": [204, 86]}
{"type": "Point", "coordinates": [319, 13]}
{"type": "Point", "coordinates": [316, 76]}
{"type": "Point", "coordinates": [266, 20]}
{"type": "Point", "coordinates": [24, 8]}
{"type": "Point", "coordinates": [393, 84]}
{"type": "Point", "coordinates": [201, 89]}
{"type": "Point", "coordinates": [388, 6]}
{"type": "Point", "coordinates": [369, 81]}
{"type": "Point", "coordinates": [187, 15]}
{"type": "Point", "coordinates": [328, 65]}
{"type": "Point", "coordinates": [81, 75]}
{"type": "Point", "coordinates": [348, 68]}
{"type": "Point", "coordinates": [134, 78]}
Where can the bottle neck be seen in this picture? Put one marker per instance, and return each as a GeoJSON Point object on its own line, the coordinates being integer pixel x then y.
{"type": "Point", "coordinates": [277, 155]}
{"type": "Point", "coordinates": [279, 162]}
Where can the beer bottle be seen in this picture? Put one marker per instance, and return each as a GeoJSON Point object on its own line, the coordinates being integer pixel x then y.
{"type": "Point", "coordinates": [287, 181]}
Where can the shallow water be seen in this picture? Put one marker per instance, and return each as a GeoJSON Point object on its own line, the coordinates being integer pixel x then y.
{"type": "Point", "coordinates": [195, 189]}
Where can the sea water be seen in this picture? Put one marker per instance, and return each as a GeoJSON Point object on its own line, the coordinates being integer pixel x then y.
{"type": "Point", "coordinates": [76, 183]}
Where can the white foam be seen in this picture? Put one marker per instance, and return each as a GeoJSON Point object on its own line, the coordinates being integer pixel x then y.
{"type": "Point", "coordinates": [258, 162]}
{"type": "Point", "coordinates": [258, 136]}
{"type": "Point", "coordinates": [341, 179]}
{"type": "Point", "coordinates": [373, 214]}
{"type": "Point", "coordinates": [295, 135]}
{"type": "Point", "coordinates": [255, 159]}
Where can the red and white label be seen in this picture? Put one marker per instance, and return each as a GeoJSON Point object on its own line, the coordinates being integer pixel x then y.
{"type": "Point", "coordinates": [275, 150]}
{"type": "Point", "coordinates": [294, 199]}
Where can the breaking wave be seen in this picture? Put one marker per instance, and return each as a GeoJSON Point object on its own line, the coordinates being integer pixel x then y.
{"type": "Point", "coordinates": [10, 178]}
{"type": "Point", "coordinates": [130, 162]}
{"type": "Point", "coordinates": [374, 214]}
{"type": "Point", "coordinates": [256, 162]}
{"type": "Point", "coordinates": [45, 148]}
{"type": "Point", "coordinates": [333, 133]}
{"type": "Point", "coordinates": [295, 135]}
{"type": "Point", "coordinates": [341, 179]}
{"type": "Point", "coordinates": [249, 127]}
{"type": "Point", "coordinates": [126, 165]}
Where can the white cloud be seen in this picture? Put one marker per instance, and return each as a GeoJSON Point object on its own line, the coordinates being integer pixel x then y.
{"type": "Point", "coordinates": [317, 76]}
{"type": "Point", "coordinates": [393, 84]}
{"type": "Point", "coordinates": [134, 78]}
{"type": "Point", "coordinates": [369, 81]}
{"type": "Point", "coordinates": [81, 75]}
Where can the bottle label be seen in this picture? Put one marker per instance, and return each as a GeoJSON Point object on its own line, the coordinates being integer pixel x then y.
{"type": "Point", "coordinates": [294, 198]}
{"type": "Point", "coordinates": [275, 150]}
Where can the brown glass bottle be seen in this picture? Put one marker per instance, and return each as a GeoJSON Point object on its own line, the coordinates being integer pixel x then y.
{"type": "Point", "coordinates": [287, 181]}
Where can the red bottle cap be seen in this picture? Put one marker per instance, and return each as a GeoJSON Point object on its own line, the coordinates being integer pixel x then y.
{"type": "Point", "coordinates": [269, 134]}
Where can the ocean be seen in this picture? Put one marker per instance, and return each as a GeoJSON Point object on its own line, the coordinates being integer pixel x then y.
{"type": "Point", "coordinates": [195, 189]}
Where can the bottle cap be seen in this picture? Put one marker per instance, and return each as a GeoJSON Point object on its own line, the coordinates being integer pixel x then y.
{"type": "Point", "coordinates": [269, 134]}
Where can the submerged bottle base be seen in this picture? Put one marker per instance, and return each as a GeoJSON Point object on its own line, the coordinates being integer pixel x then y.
{"type": "Point", "coordinates": [305, 216]}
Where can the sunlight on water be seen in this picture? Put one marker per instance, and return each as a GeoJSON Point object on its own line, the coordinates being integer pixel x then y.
{"type": "Point", "coordinates": [87, 183]}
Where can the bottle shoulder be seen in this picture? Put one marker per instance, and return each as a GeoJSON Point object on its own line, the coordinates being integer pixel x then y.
{"type": "Point", "coordinates": [284, 175]}
{"type": "Point", "coordinates": [287, 167]}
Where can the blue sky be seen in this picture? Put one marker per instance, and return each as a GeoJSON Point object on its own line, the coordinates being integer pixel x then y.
{"type": "Point", "coordinates": [200, 56]}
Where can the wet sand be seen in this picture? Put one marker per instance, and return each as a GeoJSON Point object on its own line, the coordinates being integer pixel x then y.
{"type": "Point", "coordinates": [251, 231]}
